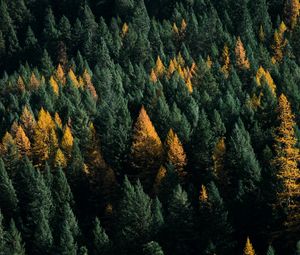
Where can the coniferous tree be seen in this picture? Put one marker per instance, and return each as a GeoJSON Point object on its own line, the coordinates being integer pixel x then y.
{"type": "Point", "coordinates": [270, 250]}
{"type": "Point", "coordinates": [134, 216]}
{"type": "Point", "coordinates": [248, 250]}
{"type": "Point", "coordinates": [146, 149]}
{"type": "Point", "coordinates": [286, 163]}
{"type": "Point", "coordinates": [152, 248]}
{"type": "Point", "coordinates": [8, 197]}
{"type": "Point", "coordinates": [175, 152]}
{"type": "Point", "coordinates": [101, 243]}
{"type": "Point", "coordinates": [14, 243]}
{"type": "Point", "coordinates": [178, 237]}
{"type": "Point", "coordinates": [67, 245]}
{"type": "Point", "coordinates": [291, 11]}
{"type": "Point", "coordinates": [35, 205]}
{"type": "Point", "coordinates": [242, 157]}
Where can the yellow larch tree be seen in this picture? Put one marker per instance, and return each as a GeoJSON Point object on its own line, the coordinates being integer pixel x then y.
{"type": "Point", "coordinates": [161, 174]}
{"type": "Point", "coordinates": [291, 12]}
{"type": "Point", "coordinates": [262, 73]}
{"type": "Point", "coordinates": [27, 121]}
{"type": "Point", "coordinates": [175, 29]}
{"type": "Point", "coordinates": [67, 141]}
{"type": "Point", "coordinates": [87, 79]}
{"type": "Point", "coordinates": [203, 194]}
{"type": "Point", "coordinates": [159, 68]}
{"type": "Point", "coordinates": [146, 148]}
{"type": "Point", "coordinates": [22, 142]}
{"type": "Point", "coordinates": [226, 61]}
{"type": "Point", "coordinates": [125, 29]}
{"type": "Point", "coordinates": [193, 68]}
{"type": "Point", "coordinates": [45, 138]}
{"type": "Point", "coordinates": [60, 75]}
{"type": "Point", "coordinates": [180, 72]}
{"type": "Point", "coordinates": [73, 78]}
{"type": "Point", "coordinates": [60, 159]}
{"type": "Point", "coordinates": [21, 84]}
{"type": "Point", "coordinates": [286, 162]}
{"type": "Point", "coordinates": [34, 82]}
{"type": "Point", "coordinates": [241, 59]}
{"type": "Point", "coordinates": [153, 76]}
{"type": "Point", "coordinates": [279, 43]}
{"type": "Point", "coordinates": [57, 120]}
{"type": "Point", "coordinates": [189, 85]}
{"type": "Point", "coordinates": [209, 62]}
{"type": "Point", "coordinates": [171, 68]}
{"type": "Point", "coordinates": [54, 85]}
{"type": "Point", "coordinates": [175, 153]}
{"type": "Point", "coordinates": [248, 250]}
{"type": "Point", "coordinates": [183, 26]}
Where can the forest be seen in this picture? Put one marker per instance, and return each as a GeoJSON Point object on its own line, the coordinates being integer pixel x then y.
{"type": "Point", "coordinates": [149, 127]}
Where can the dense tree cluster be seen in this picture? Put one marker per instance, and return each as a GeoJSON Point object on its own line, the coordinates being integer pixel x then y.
{"type": "Point", "coordinates": [149, 127]}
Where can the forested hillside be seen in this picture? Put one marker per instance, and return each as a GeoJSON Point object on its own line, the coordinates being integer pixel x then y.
{"type": "Point", "coordinates": [149, 127]}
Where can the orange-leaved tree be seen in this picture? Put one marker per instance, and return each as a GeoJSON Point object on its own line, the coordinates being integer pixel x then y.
{"type": "Point", "coordinates": [146, 149]}
{"type": "Point", "coordinates": [286, 162]}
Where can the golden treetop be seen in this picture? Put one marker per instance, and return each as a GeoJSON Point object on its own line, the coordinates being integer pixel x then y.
{"type": "Point", "coordinates": [67, 140]}
{"type": "Point", "coordinates": [159, 67]}
{"type": "Point", "coordinates": [175, 152]}
{"type": "Point", "coordinates": [60, 159]}
{"type": "Point", "coordinates": [226, 61]}
{"type": "Point", "coordinates": [262, 73]}
{"type": "Point", "coordinates": [73, 78]}
{"type": "Point", "coordinates": [21, 84]}
{"type": "Point", "coordinates": [89, 85]}
{"type": "Point", "coordinates": [54, 85]}
{"type": "Point", "coordinates": [34, 82]}
{"type": "Point", "coordinates": [203, 194]}
{"type": "Point", "coordinates": [60, 74]}
{"type": "Point", "coordinates": [153, 76]}
{"type": "Point", "coordinates": [279, 43]}
{"type": "Point", "coordinates": [240, 54]}
{"type": "Point", "coordinates": [144, 129]}
{"type": "Point", "coordinates": [22, 142]}
{"type": "Point", "coordinates": [286, 161]}
{"type": "Point", "coordinates": [125, 29]}
{"type": "Point", "coordinates": [57, 120]}
{"type": "Point", "coordinates": [248, 250]}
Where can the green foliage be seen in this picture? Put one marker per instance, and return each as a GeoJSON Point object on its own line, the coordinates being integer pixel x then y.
{"type": "Point", "coordinates": [14, 243]}
{"type": "Point", "coordinates": [135, 219]}
{"type": "Point", "coordinates": [8, 197]}
{"type": "Point", "coordinates": [101, 243]}
{"type": "Point", "coordinates": [152, 248]}
{"type": "Point", "coordinates": [225, 121]}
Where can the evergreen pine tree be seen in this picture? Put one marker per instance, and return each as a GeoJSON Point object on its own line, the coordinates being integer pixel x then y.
{"type": "Point", "coordinates": [101, 243]}
{"type": "Point", "coordinates": [152, 248]}
{"type": "Point", "coordinates": [14, 243]}
{"type": "Point", "coordinates": [8, 197]}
